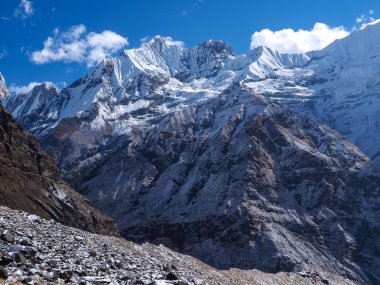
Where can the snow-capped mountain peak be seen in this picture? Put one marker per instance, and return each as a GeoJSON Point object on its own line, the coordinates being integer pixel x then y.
{"type": "Point", "coordinates": [32, 102]}
{"type": "Point", "coordinates": [138, 86]}
{"type": "Point", "coordinates": [4, 93]}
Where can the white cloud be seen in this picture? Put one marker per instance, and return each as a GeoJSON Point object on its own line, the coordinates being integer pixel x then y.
{"type": "Point", "coordinates": [360, 19]}
{"type": "Point", "coordinates": [291, 41]}
{"type": "Point", "coordinates": [145, 39]}
{"type": "Point", "coordinates": [373, 22]}
{"type": "Point", "coordinates": [61, 85]}
{"type": "Point", "coordinates": [3, 52]}
{"type": "Point", "coordinates": [24, 10]}
{"type": "Point", "coordinates": [22, 89]}
{"type": "Point", "coordinates": [170, 42]}
{"type": "Point", "coordinates": [366, 19]}
{"type": "Point", "coordinates": [76, 45]}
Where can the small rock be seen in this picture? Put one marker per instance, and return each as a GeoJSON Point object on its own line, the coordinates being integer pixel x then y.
{"type": "Point", "coordinates": [78, 238]}
{"type": "Point", "coordinates": [66, 275]}
{"type": "Point", "coordinates": [25, 242]}
{"type": "Point", "coordinates": [171, 276]}
{"type": "Point", "coordinates": [34, 218]}
{"type": "Point", "coordinates": [51, 276]}
{"type": "Point", "coordinates": [28, 251]}
{"type": "Point", "coordinates": [6, 258]}
{"type": "Point", "coordinates": [7, 236]}
{"type": "Point", "coordinates": [20, 258]}
{"type": "Point", "coordinates": [167, 267]}
{"type": "Point", "coordinates": [3, 273]}
{"type": "Point", "coordinates": [27, 280]}
{"type": "Point", "coordinates": [174, 267]}
{"type": "Point", "coordinates": [52, 263]}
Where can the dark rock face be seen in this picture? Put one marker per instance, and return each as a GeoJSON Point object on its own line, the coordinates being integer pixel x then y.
{"type": "Point", "coordinates": [204, 60]}
{"type": "Point", "coordinates": [239, 182]}
{"type": "Point", "coordinates": [31, 182]}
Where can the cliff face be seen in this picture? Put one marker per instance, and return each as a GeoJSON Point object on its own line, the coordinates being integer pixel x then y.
{"type": "Point", "coordinates": [30, 182]}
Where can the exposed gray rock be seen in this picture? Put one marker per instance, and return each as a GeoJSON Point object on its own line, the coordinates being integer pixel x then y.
{"type": "Point", "coordinates": [7, 236]}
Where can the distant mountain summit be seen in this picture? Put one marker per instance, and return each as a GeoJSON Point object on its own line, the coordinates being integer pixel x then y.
{"type": "Point", "coordinates": [240, 160]}
{"type": "Point", "coordinates": [4, 93]}
{"type": "Point", "coordinates": [31, 103]}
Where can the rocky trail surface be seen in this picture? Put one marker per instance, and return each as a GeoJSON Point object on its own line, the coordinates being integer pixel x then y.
{"type": "Point", "coordinates": [38, 251]}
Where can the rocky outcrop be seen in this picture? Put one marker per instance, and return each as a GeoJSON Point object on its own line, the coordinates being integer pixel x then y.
{"type": "Point", "coordinates": [30, 181]}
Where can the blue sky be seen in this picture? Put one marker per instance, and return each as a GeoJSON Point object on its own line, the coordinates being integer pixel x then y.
{"type": "Point", "coordinates": [26, 24]}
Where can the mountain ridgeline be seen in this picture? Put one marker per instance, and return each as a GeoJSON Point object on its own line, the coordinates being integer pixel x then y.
{"type": "Point", "coordinates": [262, 160]}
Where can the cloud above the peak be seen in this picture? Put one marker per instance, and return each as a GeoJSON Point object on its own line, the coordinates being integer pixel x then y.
{"type": "Point", "coordinates": [365, 20]}
{"type": "Point", "coordinates": [300, 41]}
{"type": "Point", "coordinates": [78, 45]}
{"type": "Point", "coordinates": [170, 42]}
{"type": "Point", "coordinates": [22, 89]}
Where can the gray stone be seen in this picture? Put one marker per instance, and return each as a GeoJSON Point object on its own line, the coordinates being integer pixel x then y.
{"type": "Point", "coordinates": [7, 236]}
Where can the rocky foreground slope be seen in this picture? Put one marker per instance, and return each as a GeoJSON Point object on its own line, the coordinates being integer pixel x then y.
{"type": "Point", "coordinates": [38, 251]}
{"type": "Point", "coordinates": [29, 180]}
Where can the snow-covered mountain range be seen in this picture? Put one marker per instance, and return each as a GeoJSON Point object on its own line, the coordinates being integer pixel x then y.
{"type": "Point", "coordinates": [169, 140]}
{"type": "Point", "coordinates": [337, 85]}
